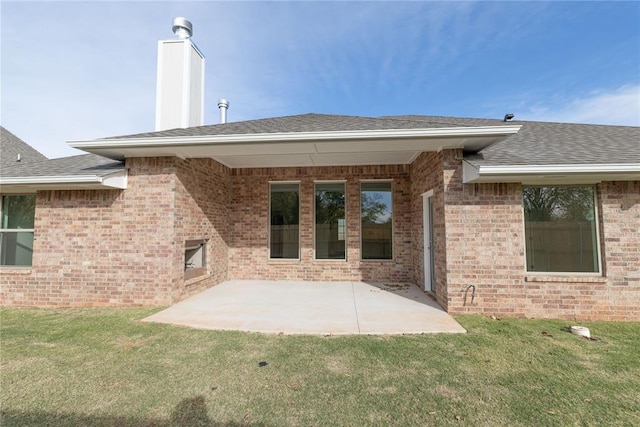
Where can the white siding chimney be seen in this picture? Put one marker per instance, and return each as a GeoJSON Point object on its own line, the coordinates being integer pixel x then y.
{"type": "Point", "coordinates": [180, 85]}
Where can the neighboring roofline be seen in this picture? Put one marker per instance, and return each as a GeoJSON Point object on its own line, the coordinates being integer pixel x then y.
{"type": "Point", "coordinates": [547, 174]}
{"type": "Point", "coordinates": [116, 180]}
{"type": "Point", "coordinates": [110, 147]}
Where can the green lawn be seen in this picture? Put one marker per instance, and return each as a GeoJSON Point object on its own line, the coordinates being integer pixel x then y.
{"type": "Point", "coordinates": [103, 367]}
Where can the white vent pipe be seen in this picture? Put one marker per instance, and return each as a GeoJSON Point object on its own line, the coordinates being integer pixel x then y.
{"type": "Point", "coordinates": [223, 105]}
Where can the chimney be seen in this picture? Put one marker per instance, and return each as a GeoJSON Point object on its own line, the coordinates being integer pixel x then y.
{"type": "Point", "coordinates": [180, 82]}
{"type": "Point", "coordinates": [223, 105]}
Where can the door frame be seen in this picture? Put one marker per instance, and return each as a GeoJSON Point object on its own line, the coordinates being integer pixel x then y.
{"type": "Point", "coordinates": [428, 249]}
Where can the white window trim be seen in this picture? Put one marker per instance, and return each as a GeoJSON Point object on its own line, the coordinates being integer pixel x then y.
{"type": "Point", "coordinates": [346, 216]}
{"type": "Point", "coordinates": [16, 230]}
{"type": "Point", "coordinates": [596, 213]}
{"type": "Point", "coordinates": [393, 221]}
{"type": "Point", "coordinates": [283, 260]}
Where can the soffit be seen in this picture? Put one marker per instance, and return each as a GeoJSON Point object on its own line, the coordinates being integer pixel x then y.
{"type": "Point", "coordinates": [321, 149]}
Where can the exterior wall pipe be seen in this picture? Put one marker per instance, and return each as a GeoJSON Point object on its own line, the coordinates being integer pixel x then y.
{"type": "Point", "coordinates": [223, 105]}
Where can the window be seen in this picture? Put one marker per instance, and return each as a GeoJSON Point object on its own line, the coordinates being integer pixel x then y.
{"type": "Point", "coordinates": [561, 229]}
{"type": "Point", "coordinates": [376, 220]}
{"type": "Point", "coordinates": [16, 233]}
{"type": "Point", "coordinates": [284, 221]}
{"type": "Point", "coordinates": [330, 221]}
{"type": "Point", "coordinates": [195, 258]}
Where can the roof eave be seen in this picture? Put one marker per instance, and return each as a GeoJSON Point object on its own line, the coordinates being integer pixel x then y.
{"type": "Point", "coordinates": [549, 174]}
{"type": "Point", "coordinates": [31, 184]}
{"type": "Point", "coordinates": [302, 143]}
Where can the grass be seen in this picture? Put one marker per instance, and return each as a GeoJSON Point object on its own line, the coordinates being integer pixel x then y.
{"type": "Point", "coordinates": [102, 367]}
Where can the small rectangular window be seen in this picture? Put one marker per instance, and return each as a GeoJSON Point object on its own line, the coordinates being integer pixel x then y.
{"type": "Point", "coordinates": [16, 231]}
{"type": "Point", "coordinates": [331, 229]}
{"type": "Point", "coordinates": [561, 231]}
{"type": "Point", "coordinates": [195, 258]}
{"type": "Point", "coordinates": [284, 222]}
{"type": "Point", "coordinates": [376, 220]}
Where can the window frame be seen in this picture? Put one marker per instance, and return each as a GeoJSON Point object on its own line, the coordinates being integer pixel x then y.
{"type": "Point", "coordinates": [200, 246]}
{"type": "Point", "coordinates": [596, 214]}
{"type": "Point", "coordinates": [346, 228]}
{"type": "Point", "coordinates": [271, 183]}
{"type": "Point", "coordinates": [17, 230]}
{"type": "Point", "coordinates": [393, 222]}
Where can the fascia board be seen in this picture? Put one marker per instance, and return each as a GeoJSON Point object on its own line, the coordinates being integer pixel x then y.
{"type": "Point", "coordinates": [559, 169]}
{"type": "Point", "coordinates": [295, 137]}
{"type": "Point", "coordinates": [532, 173]}
{"type": "Point", "coordinates": [114, 180]}
{"type": "Point", "coordinates": [470, 173]}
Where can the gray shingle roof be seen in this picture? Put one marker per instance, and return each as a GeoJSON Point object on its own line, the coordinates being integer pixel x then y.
{"type": "Point", "coordinates": [537, 143]}
{"type": "Point", "coordinates": [541, 143]}
{"type": "Point", "coordinates": [34, 164]}
{"type": "Point", "coordinates": [84, 164]}
{"type": "Point", "coordinates": [314, 123]}
{"type": "Point", "coordinates": [11, 146]}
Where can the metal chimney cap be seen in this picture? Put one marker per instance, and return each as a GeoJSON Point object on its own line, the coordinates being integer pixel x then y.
{"type": "Point", "coordinates": [223, 103]}
{"type": "Point", "coordinates": [182, 28]}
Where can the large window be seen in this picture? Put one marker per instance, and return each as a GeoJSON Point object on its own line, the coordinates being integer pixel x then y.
{"type": "Point", "coordinates": [284, 221]}
{"type": "Point", "coordinates": [561, 229]}
{"type": "Point", "coordinates": [376, 219]}
{"type": "Point", "coordinates": [16, 231]}
{"type": "Point", "coordinates": [331, 229]}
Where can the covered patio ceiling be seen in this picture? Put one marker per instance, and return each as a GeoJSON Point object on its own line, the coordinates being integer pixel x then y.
{"type": "Point", "coordinates": [301, 149]}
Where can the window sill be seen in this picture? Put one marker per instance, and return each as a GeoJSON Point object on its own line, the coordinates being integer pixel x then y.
{"type": "Point", "coordinates": [12, 269]}
{"type": "Point", "coordinates": [566, 279]}
{"type": "Point", "coordinates": [194, 273]}
{"type": "Point", "coordinates": [283, 260]}
{"type": "Point", "coordinates": [195, 280]}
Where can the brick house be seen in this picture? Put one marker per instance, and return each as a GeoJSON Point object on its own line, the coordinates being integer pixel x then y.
{"type": "Point", "coordinates": [489, 216]}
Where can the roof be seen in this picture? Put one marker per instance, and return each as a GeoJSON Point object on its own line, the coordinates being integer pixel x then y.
{"type": "Point", "coordinates": [313, 122]}
{"type": "Point", "coordinates": [307, 140]}
{"type": "Point", "coordinates": [495, 150]}
{"type": "Point", "coordinates": [34, 171]}
{"type": "Point", "coordinates": [539, 143]}
{"type": "Point", "coordinates": [535, 143]}
{"type": "Point", "coordinates": [83, 164]}
{"type": "Point", "coordinates": [559, 153]}
{"type": "Point", "coordinates": [13, 148]}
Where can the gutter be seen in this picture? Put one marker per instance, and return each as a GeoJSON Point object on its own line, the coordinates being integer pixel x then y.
{"type": "Point", "coordinates": [114, 180]}
{"type": "Point", "coordinates": [294, 137]}
{"type": "Point", "coordinates": [539, 174]}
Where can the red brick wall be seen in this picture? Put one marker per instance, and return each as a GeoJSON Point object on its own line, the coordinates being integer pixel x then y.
{"type": "Point", "coordinates": [427, 174]}
{"type": "Point", "coordinates": [485, 248]}
{"type": "Point", "coordinates": [202, 212]}
{"type": "Point", "coordinates": [115, 247]}
{"type": "Point", "coordinates": [125, 247]}
{"type": "Point", "coordinates": [620, 224]}
{"type": "Point", "coordinates": [485, 244]}
{"type": "Point", "coordinates": [249, 219]}
{"type": "Point", "coordinates": [106, 247]}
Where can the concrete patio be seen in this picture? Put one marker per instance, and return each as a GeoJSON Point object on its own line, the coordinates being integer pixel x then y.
{"type": "Point", "coordinates": [318, 308]}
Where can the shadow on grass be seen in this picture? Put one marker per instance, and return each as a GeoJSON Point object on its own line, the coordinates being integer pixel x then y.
{"type": "Point", "coordinates": [190, 412]}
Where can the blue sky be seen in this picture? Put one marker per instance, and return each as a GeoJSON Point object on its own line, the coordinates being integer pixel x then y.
{"type": "Point", "coordinates": [83, 70]}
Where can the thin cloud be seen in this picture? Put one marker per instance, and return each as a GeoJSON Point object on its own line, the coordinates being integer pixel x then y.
{"type": "Point", "coordinates": [97, 78]}
{"type": "Point", "coordinates": [620, 106]}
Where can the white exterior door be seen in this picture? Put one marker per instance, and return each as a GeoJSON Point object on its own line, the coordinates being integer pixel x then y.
{"type": "Point", "coordinates": [429, 256]}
